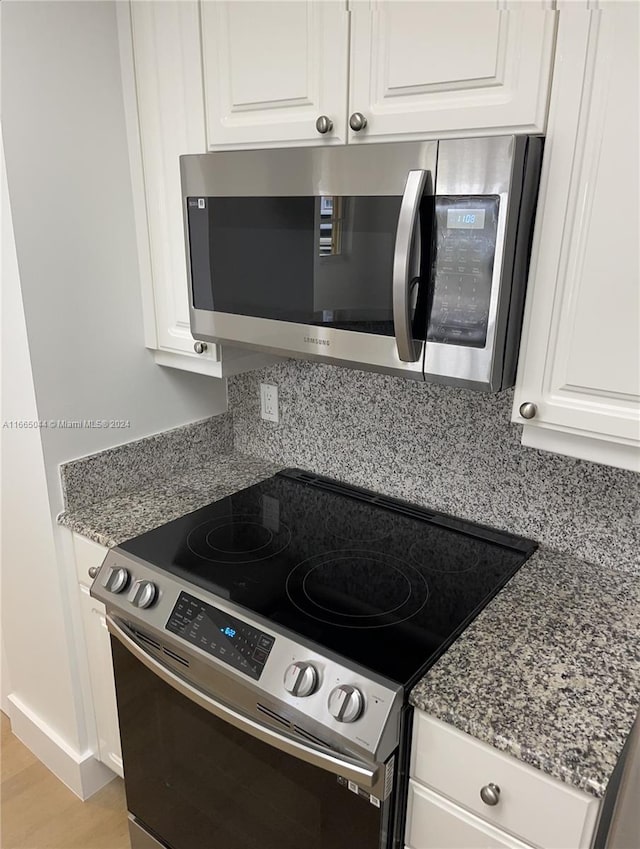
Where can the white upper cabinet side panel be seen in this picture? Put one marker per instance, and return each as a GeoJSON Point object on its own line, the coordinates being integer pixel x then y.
{"type": "Point", "coordinates": [447, 68]}
{"type": "Point", "coordinates": [271, 69]}
{"type": "Point", "coordinates": [168, 80]}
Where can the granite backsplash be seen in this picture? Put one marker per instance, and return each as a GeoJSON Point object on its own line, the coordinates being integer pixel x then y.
{"type": "Point", "coordinates": [150, 460]}
{"type": "Point", "coordinates": [449, 449]}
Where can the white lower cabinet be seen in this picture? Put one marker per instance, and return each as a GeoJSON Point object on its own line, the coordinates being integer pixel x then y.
{"type": "Point", "coordinates": [449, 769]}
{"type": "Point", "coordinates": [436, 823]}
{"type": "Point", "coordinates": [98, 645]}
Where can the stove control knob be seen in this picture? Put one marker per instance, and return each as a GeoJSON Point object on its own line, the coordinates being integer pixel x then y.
{"type": "Point", "coordinates": [144, 594]}
{"type": "Point", "coordinates": [117, 579]}
{"type": "Point", "coordinates": [346, 703]}
{"type": "Point", "coordinates": [301, 679]}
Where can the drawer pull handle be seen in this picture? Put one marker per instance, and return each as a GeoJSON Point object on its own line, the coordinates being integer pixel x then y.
{"type": "Point", "coordinates": [490, 794]}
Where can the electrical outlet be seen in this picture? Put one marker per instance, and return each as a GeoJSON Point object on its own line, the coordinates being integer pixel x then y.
{"type": "Point", "coordinates": [269, 402]}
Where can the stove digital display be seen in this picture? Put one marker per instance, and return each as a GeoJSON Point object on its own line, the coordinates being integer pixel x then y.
{"type": "Point", "coordinates": [221, 635]}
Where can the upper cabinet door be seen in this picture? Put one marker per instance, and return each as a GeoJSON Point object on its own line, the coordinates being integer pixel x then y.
{"type": "Point", "coordinates": [272, 69]}
{"type": "Point", "coordinates": [168, 114]}
{"type": "Point", "coordinates": [580, 355]}
{"type": "Point", "coordinates": [438, 69]}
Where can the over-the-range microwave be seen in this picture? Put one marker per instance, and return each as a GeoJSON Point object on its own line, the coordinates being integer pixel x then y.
{"type": "Point", "coordinates": [408, 258]}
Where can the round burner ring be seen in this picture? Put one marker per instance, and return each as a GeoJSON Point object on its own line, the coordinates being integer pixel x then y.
{"type": "Point", "coordinates": [199, 540]}
{"type": "Point", "coordinates": [309, 595]}
{"type": "Point", "coordinates": [242, 550]}
{"type": "Point", "coordinates": [410, 602]}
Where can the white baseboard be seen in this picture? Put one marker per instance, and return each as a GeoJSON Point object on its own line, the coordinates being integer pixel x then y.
{"type": "Point", "coordinates": [83, 773]}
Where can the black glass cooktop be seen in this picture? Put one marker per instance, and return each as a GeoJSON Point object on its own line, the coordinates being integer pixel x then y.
{"type": "Point", "coordinates": [384, 583]}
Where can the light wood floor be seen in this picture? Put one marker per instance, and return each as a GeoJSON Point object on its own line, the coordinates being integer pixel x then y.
{"type": "Point", "coordinates": [39, 812]}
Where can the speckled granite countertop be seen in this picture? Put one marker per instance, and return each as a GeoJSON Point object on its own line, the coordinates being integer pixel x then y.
{"type": "Point", "coordinates": [550, 671]}
{"type": "Point", "coordinates": [135, 510]}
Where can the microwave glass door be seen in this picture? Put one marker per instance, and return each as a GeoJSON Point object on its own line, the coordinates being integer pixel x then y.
{"type": "Point", "coordinates": [325, 261]}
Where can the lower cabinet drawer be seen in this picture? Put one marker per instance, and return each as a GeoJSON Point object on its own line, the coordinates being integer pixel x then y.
{"type": "Point", "coordinates": [435, 823]}
{"type": "Point", "coordinates": [531, 805]}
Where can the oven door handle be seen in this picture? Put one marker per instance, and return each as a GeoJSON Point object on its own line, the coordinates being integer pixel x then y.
{"type": "Point", "coordinates": [408, 350]}
{"type": "Point", "coordinates": [347, 768]}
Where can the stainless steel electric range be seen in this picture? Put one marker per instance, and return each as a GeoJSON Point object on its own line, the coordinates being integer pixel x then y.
{"type": "Point", "coordinates": [264, 648]}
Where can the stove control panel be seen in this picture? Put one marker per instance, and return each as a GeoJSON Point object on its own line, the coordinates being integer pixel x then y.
{"type": "Point", "coordinates": [220, 634]}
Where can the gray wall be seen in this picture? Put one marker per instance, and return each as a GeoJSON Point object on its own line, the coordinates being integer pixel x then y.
{"type": "Point", "coordinates": [76, 350]}
{"type": "Point", "coordinates": [67, 160]}
{"type": "Point", "coordinates": [449, 449]}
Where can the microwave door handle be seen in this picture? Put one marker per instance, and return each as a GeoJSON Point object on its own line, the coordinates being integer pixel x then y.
{"type": "Point", "coordinates": [328, 760]}
{"type": "Point", "coordinates": [408, 350]}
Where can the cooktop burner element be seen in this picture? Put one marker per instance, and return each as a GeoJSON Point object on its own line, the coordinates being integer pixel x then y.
{"type": "Point", "coordinates": [384, 584]}
{"type": "Point", "coordinates": [357, 589]}
{"type": "Point", "coordinates": [237, 539]}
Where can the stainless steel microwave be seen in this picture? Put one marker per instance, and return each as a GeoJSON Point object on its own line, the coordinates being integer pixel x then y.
{"type": "Point", "coordinates": [407, 258]}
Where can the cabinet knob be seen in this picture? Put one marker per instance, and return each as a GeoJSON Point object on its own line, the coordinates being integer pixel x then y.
{"type": "Point", "coordinates": [357, 122]}
{"type": "Point", "coordinates": [93, 571]}
{"type": "Point", "coordinates": [528, 410]}
{"type": "Point", "coordinates": [200, 347]}
{"type": "Point", "coordinates": [490, 794]}
{"type": "Point", "coordinates": [324, 124]}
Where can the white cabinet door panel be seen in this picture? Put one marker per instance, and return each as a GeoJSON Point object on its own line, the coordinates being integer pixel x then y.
{"type": "Point", "coordinates": [168, 84]}
{"type": "Point", "coordinates": [435, 823]}
{"type": "Point", "coordinates": [442, 68]}
{"type": "Point", "coordinates": [271, 69]}
{"type": "Point", "coordinates": [537, 808]}
{"type": "Point", "coordinates": [580, 358]}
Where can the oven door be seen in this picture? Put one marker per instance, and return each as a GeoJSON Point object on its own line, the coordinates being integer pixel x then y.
{"type": "Point", "coordinates": [200, 776]}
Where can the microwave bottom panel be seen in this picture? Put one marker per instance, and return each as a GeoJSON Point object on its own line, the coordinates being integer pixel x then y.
{"type": "Point", "coordinates": [453, 365]}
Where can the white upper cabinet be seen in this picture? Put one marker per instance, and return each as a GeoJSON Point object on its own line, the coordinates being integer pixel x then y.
{"type": "Point", "coordinates": [170, 122]}
{"type": "Point", "coordinates": [272, 69]}
{"type": "Point", "coordinates": [163, 94]}
{"type": "Point", "coordinates": [580, 356]}
{"type": "Point", "coordinates": [415, 69]}
{"type": "Point", "coordinates": [421, 69]}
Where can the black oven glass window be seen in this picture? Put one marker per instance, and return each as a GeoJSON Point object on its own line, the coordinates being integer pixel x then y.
{"type": "Point", "coordinates": [199, 783]}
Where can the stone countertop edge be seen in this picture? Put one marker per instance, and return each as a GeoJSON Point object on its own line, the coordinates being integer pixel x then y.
{"type": "Point", "coordinates": [549, 672]}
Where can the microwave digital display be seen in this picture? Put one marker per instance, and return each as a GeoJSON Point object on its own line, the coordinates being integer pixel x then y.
{"type": "Point", "coordinates": [465, 219]}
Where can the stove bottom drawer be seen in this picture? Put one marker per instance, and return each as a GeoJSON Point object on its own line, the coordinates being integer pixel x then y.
{"type": "Point", "coordinates": [533, 806]}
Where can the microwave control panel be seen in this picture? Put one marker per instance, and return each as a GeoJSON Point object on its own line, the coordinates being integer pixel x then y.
{"type": "Point", "coordinates": [465, 247]}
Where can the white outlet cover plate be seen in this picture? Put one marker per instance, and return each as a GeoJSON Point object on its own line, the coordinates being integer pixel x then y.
{"type": "Point", "coordinates": [269, 402]}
